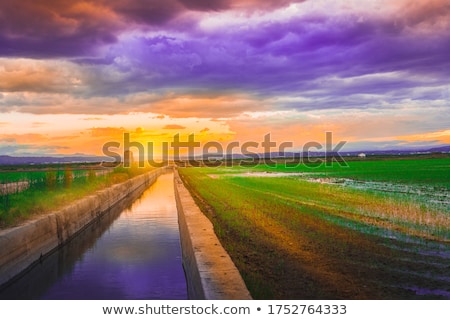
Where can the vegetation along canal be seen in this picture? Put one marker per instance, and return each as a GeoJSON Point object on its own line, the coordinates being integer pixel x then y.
{"type": "Point", "coordinates": [131, 253]}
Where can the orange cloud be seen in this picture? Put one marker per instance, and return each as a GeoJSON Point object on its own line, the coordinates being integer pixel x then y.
{"type": "Point", "coordinates": [106, 132]}
{"type": "Point", "coordinates": [139, 130]}
{"type": "Point", "coordinates": [207, 107]}
{"type": "Point", "coordinates": [26, 75]}
{"type": "Point", "coordinates": [93, 119]}
{"type": "Point", "coordinates": [429, 12]}
{"type": "Point", "coordinates": [442, 136]}
{"type": "Point", "coordinates": [174, 127]}
{"type": "Point", "coordinates": [25, 138]}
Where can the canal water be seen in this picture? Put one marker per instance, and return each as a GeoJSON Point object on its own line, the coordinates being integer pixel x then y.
{"type": "Point", "coordinates": [131, 253]}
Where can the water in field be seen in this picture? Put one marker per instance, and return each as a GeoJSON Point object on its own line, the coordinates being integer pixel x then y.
{"type": "Point", "coordinates": [133, 253]}
{"type": "Point", "coordinates": [435, 196]}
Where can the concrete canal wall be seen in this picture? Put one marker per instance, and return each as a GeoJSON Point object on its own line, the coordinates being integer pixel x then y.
{"type": "Point", "coordinates": [210, 272]}
{"type": "Point", "coordinates": [23, 246]}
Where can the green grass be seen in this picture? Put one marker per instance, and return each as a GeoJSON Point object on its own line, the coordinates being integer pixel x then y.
{"type": "Point", "coordinates": [432, 172]}
{"type": "Point", "coordinates": [14, 173]}
{"type": "Point", "coordinates": [49, 190]}
{"type": "Point", "coordinates": [284, 227]}
{"type": "Point", "coordinates": [31, 202]}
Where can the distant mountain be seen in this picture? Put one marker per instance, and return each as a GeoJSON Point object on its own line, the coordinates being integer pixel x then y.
{"type": "Point", "coordinates": [273, 155]}
{"type": "Point", "coordinates": [440, 149]}
{"type": "Point", "coordinates": [9, 160]}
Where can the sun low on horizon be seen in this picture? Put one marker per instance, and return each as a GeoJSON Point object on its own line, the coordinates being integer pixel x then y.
{"type": "Point", "coordinates": [76, 75]}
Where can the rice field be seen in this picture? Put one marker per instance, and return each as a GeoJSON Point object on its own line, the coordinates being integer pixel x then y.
{"type": "Point", "coordinates": [372, 230]}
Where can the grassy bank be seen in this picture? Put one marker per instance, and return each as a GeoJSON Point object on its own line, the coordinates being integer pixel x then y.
{"type": "Point", "coordinates": [50, 189]}
{"type": "Point", "coordinates": [295, 239]}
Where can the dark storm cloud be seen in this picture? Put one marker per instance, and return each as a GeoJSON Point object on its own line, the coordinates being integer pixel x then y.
{"type": "Point", "coordinates": [52, 28]}
{"type": "Point", "coordinates": [46, 28]}
{"type": "Point", "coordinates": [320, 59]}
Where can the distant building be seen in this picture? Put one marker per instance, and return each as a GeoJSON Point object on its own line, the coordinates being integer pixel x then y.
{"type": "Point", "coordinates": [362, 155]}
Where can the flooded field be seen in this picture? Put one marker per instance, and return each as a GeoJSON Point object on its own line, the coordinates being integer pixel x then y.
{"type": "Point", "coordinates": [372, 230]}
{"type": "Point", "coordinates": [435, 196]}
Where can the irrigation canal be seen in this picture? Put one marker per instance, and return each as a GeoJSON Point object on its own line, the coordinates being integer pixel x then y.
{"type": "Point", "coordinates": [133, 252]}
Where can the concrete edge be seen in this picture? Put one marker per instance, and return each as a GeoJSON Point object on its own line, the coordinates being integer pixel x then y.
{"type": "Point", "coordinates": [210, 272]}
{"type": "Point", "coordinates": [25, 245]}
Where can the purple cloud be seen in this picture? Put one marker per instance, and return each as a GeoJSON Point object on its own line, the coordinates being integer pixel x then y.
{"type": "Point", "coordinates": [295, 56]}
{"type": "Point", "coordinates": [52, 28]}
{"type": "Point", "coordinates": [49, 28]}
{"type": "Point", "coordinates": [326, 60]}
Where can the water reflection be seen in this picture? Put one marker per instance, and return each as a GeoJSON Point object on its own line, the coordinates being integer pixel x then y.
{"type": "Point", "coordinates": [133, 253]}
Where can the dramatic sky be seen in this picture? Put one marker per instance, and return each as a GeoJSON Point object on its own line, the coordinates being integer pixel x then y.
{"type": "Point", "coordinates": [76, 74]}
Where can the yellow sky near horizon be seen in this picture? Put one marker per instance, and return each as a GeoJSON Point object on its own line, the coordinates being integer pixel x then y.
{"type": "Point", "coordinates": [66, 134]}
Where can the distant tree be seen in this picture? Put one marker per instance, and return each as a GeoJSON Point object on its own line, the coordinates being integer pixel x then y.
{"type": "Point", "coordinates": [68, 178]}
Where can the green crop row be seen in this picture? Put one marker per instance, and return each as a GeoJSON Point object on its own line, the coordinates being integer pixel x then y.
{"type": "Point", "coordinates": [432, 172]}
